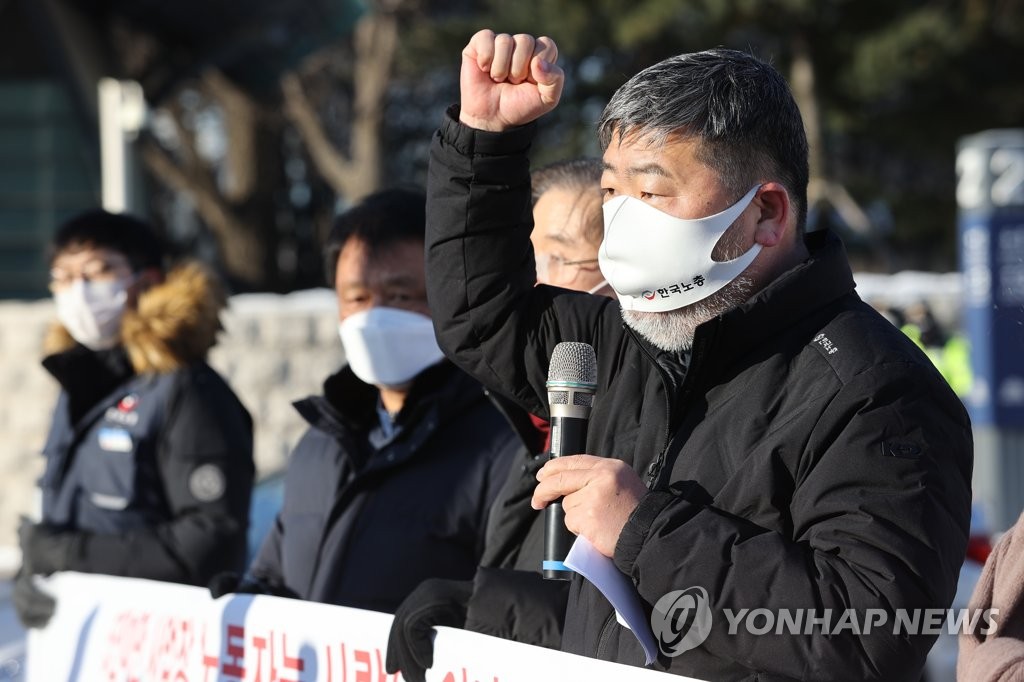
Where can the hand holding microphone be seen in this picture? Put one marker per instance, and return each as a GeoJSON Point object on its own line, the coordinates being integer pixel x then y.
{"type": "Point", "coordinates": [572, 380]}
{"type": "Point", "coordinates": [587, 495]}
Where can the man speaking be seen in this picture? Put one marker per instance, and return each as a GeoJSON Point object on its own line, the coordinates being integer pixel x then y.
{"type": "Point", "coordinates": [758, 432]}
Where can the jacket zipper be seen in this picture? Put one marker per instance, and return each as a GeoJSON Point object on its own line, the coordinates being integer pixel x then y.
{"type": "Point", "coordinates": [685, 391]}
{"type": "Point", "coordinates": [654, 470]}
{"type": "Point", "coordinates": [606, 631]}
{"type": "Point", "coordinates": [655, 467]}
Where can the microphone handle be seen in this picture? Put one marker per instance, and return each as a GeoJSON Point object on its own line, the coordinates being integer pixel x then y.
{"type": "Point", "coordinates": [568, 437]}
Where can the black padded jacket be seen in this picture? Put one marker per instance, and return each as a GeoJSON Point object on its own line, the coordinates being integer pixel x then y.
{"type": "Point", "coordinates": [811, 458]}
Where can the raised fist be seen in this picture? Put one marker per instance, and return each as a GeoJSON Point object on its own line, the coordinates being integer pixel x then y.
{"type": "Point", "coordinates": [508, 81]}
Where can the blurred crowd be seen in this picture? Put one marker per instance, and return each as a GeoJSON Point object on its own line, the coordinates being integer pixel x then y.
{"type": "Point", "coordinates": [947, 348]}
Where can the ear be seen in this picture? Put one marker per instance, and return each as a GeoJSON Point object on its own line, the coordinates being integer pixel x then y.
{"type": "Point", "coordinates": [149, 277]}
{"type": "Point", "coordinates": [146, 278]}
{"type": "Point", "coordinates": [775, 214]}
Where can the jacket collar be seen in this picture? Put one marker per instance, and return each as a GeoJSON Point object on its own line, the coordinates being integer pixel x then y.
{"type": "Point", "coordinates": [350, 404]}
{"type": "Point", "coordinates": [88, 376]}
{"type": "Point", "coordinates": [811, 286]}
{"type": "Point", "coordinates": [794, 296]}
{"type": "Point", "coordinates": [174, 324]}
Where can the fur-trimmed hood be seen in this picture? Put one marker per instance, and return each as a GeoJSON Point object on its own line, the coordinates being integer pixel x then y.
{"type": "Point", "coordinates": [174, 324]}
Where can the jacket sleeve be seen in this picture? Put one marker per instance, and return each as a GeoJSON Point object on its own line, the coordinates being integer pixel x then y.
{"type": "Point", "coordinates": [489, 317]}
{"type": "Point", "coordinates": [266, 567]}
{"type": "Point", "coordinates": [998, 655]}
{"type": "Point", "coordinates": [869, 531]}
{"type": "Point", "coordinates": [206, 465]}
{"type": "Point", "coordinates": [518, 605]}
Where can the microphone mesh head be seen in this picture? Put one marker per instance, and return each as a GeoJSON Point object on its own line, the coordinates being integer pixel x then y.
{"type": "Point", "coordinates": [573, 362]}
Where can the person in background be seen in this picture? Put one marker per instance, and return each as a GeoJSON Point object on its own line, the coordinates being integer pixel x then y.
{"type": "Point", "coordinates": [568, 226]}
{"type": "Point", "coordinates": [394, 477]}
{"type": "Point", "coordinates": [567, 229]}
{"type": "Point", "coordinates": [149, 463]}
{"type": "Point", "coordinates": [950, 352]}
{"type": "Point", "coordinates": [997, 656]}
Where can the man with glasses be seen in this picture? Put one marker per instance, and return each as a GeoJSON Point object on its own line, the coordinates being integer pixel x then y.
{"type": "Point", "coordinates": [568, 225]}
{"type": "Point", "coordinates": [149, 458]}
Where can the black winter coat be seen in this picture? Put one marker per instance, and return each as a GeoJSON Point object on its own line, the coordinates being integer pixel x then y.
{"type": "Point", "coordinates": [155, 477]}
{"type": "Point", "coordinates": [149, 463]}
{"type": "Point", "coordinates": [812, 457]}
{"type": "Point", "coordinates": [361, 526]}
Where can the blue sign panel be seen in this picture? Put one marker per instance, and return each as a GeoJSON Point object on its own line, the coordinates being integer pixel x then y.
{"type": "Point", "coordinates": [990, 196]}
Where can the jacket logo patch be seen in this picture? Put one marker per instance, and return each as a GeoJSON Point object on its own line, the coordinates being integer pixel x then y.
{"type": "Point", "coordinates": [115, 440]}
{"type": "Point", "coordinates": [112, 502]}
{"type": "Point", "coordinates": [124, 413]}
{"type": "Point", "coordinates": [207, 483]}
{"type": "Point", "coordinates": [826, 344]}
{"type": "Point", "coordinates": [901, 450]}
{"type": "Point", "coordinates": [128, 403]}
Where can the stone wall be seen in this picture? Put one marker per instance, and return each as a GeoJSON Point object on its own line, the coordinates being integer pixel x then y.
{"type": "Point", "coordinates": [275, 349]}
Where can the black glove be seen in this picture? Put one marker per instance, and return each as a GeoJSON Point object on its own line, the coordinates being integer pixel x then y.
{"type": "Point", "coordinates": [434, 602]}
{"type": "Point", "coordinates": [230, 582]}
{"type": "Point", "coordinates": [224, 583]}
{"type": "Point", "coordinates": [34, 607]}
{"type": "Point", "coordinates": [518, 605]}
{"type": "Point", "coordinates": [44, 548]}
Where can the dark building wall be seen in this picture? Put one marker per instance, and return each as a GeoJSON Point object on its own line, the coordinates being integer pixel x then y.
{"type": "Point", "coordinates": [48, 165]}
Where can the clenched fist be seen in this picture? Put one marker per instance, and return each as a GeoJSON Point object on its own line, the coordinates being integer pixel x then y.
{"type": "Point", "coordinates": [508, 81]}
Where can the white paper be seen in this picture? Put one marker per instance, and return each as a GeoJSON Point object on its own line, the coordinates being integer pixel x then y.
{"type": "Point", "coordinates": [616, 588]}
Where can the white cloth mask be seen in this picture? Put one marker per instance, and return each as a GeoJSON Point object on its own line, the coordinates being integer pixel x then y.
{"type": "Point", "coordinates": [387, 346]}
{"type": "Point", "coordinates": [656, 262]}
{"type": "Point", "coordinates": [92, 311]}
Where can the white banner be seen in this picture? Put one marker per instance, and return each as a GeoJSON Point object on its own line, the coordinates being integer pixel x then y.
{"type": "Point", "coordinates": [126, 630]}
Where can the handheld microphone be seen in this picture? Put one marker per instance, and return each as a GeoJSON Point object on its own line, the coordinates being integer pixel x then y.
{"type": "Point", "coordinates": [572, 381]}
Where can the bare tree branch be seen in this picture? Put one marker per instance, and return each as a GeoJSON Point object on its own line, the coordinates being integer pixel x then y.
{"type": "Point", "coordinates": [330, 163]}
{"type": "Point", "coordinates": [241, 116]}
{"type": "Point", "coordinates": [194, 165]}
{"type": "Point", "coordinates": [848, 208]}
{"type": "Point", "coordinates": [218, 215]}
{"type": "Point", "coordinates": [357, 172]}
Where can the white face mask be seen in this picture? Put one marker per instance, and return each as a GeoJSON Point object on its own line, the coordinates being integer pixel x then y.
{"type": "Point", "coordinates": [656, 262]}
{"type": "Point", "coordinates": [92, 311]}
{"type": "Point", "coordinates": [387, 346]}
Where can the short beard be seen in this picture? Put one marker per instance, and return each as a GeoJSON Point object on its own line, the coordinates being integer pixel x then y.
{"type": "Point", "coordinates": [673, 330]}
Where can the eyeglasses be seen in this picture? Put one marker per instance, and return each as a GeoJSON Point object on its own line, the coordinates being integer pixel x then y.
{"type": "Point", "coordinates": [97, 270]}
{"type": "Point", "coordinates": [585, 261]}
{"type": "Point", "coordinates": [554, 261]}
{"type": "Point", "coordinates": [555, 269]}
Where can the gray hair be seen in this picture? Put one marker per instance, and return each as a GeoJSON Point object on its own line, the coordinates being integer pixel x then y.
{"type": "Point", "coordinates": [739, 108]}
{"type": "Point", "coordinates": [581, 175]}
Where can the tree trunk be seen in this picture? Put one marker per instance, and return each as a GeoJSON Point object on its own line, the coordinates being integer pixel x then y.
{"type": "Point", "coordinates": [355, 172]}
{"type": "Point", "coordinates": [802, 81]}
{"type": "Point", "coordinates": [821, 187]}
{"type": "Point", "coordinates": [240, 210]}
